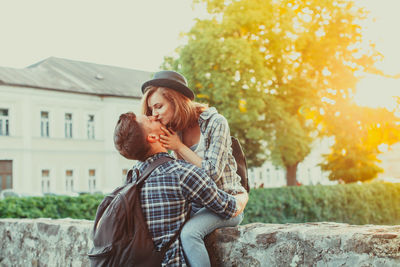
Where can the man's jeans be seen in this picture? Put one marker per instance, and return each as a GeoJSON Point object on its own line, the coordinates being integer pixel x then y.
{"type": "Point", "coordinates": [192, 236]}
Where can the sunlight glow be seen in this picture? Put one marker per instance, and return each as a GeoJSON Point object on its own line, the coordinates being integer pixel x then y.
{"type": "Point", "coordinates": [383, 147]}
{"type": "Point", "coordinates": [373, 90]}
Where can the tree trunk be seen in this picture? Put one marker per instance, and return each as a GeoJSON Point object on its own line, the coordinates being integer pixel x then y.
{"type": "Point", "coordinates": [291, 172]}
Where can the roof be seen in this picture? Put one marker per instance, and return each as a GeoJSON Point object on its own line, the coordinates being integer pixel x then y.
{"type": "Point", "coordinates": [79, 77]}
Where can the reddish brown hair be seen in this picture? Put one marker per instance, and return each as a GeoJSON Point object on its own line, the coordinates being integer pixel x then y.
{"type": "Point", "coordinates": [186, 112]}
{"type": "Point", "coordinates": [130, 138]}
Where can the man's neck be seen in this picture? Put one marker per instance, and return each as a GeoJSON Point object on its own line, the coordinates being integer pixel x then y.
{"type": "Point", "coordinates": [155, 150]}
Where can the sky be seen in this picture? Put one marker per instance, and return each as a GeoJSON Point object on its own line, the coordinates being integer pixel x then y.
{"type": "Point", "coordinates": [382, 29]}
{"type": "Point", "coordinates": [137, 34]}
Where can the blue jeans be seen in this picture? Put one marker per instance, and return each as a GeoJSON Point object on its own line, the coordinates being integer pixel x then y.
{"type": "Point", "coordinates": [192, 236]}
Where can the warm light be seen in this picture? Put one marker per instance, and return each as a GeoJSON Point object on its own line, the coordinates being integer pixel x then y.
{"type": "Point", "coordinates": [242, 105]}
{"type": "Point", "coordinates": [375, 91]}
{"type": "Point", "coordinates": [383, 148]}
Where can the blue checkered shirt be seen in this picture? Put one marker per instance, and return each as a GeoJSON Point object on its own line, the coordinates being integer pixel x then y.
{"type": "Point", "coordinates": [218, 161]}
{"type": "Point", "coordinates": [167, 195]}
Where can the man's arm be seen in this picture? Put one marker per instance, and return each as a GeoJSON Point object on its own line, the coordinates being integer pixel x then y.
{"type": "Point", "coordinates": [198, 187]}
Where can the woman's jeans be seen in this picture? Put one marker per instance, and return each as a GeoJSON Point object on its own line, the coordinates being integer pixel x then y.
{"type": "Point", "coordinates": [192, 236]}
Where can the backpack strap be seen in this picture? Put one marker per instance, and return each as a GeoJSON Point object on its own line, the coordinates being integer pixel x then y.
{"type": "Point", "coordinates": [140, 182]}
{"type": "Point", "coordinates": [150, 169]}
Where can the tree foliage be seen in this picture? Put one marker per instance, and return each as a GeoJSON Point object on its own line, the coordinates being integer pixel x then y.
{"type": "Point", "coordinates": [269, 65]}
{"type": "Point", "coordinates": [358, 132]}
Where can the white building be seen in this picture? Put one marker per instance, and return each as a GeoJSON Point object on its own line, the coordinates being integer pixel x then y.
{"type": "Point", "coordinates": [308, 171]}
{"type": "Point", "coordinates": [390, 163]}
{"type": "Point", "coordinates": [57, 119]}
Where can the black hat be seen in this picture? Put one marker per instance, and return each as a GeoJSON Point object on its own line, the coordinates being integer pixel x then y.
{"type": "Point", "coordinates": [172, 80]}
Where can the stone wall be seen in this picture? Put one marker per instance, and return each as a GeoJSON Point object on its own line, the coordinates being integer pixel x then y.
{"type": "Point", "coordinates": [46, 242]}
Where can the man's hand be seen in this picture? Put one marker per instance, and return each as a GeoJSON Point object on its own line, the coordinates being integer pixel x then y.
{"type": "Point", "coordinates": [241, 201]}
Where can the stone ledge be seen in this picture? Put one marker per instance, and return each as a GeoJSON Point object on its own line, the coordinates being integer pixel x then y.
{"type": "Point", "coordinates": [307, 244]}
{"type": "Point", "coordinates": [65, 242]}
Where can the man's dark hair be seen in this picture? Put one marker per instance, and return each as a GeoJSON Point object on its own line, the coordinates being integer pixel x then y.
{"type": "Point", "coordinates": [129, 138]}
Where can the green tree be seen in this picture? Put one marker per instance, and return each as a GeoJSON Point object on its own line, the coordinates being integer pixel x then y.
{"type": "Point", "coordinates": [268, 64]}
{"type": "Point", "coordinates": [358, 132]}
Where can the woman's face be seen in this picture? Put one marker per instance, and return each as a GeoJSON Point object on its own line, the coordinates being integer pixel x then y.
{"type": "Point", "coordinates": [160, 107]}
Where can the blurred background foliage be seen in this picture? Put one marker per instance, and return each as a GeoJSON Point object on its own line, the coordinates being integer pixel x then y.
{"type": "Point", "coordinates": [284, 72]}
{"type": "Point", "coordinates": [56, 207]}
{"type": "Point", "coordinates": [370, 203]}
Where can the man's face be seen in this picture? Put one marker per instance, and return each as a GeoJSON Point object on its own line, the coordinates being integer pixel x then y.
{"type": "Point", "coordinates": [149, 124]}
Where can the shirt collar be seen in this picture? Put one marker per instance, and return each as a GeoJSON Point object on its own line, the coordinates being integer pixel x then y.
{"type": "Point", "coordinates": [205, 115]}
{"type": "Point", "coordinates": [152, 158]}
{"type": "Point", "coordinates": [157, 156]}
{"type": "Point", "coordinates": [143, 164]}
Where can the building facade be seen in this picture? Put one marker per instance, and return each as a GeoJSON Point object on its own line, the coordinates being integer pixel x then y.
{"type": "Point", "coordinates": [56, 126]}
{"type": "Point", "coordinates": [57, 119]}
{"type": "Point", "coordinates": [308, 171]}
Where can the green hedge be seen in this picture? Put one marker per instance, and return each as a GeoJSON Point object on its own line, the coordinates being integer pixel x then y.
{"type": "Point", "coordinates": [82, 207]}
{"type": "Point", "coordinates": [374, 203]}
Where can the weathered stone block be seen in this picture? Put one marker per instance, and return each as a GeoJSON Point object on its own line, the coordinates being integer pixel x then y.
{"type": "Point", "coordinates": [307, 244]}
{"type": "Point", "coordinates": [47, 242]}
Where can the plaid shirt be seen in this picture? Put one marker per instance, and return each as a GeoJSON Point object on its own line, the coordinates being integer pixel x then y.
{"type": "Point", "coordinates": [218, 161]}
{"type": "Point", "coordinates": [166, 196]}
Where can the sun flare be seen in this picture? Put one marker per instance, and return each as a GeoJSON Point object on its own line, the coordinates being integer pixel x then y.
{"type": "Point", "coordinates": [373, 90]}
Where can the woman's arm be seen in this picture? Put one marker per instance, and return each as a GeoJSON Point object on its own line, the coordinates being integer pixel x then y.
{"type": "Point", "coordinates": [216, 154]}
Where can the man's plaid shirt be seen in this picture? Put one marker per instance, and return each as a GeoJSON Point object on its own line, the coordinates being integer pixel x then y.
{"type": "Point", "coordinates": [167, 195]}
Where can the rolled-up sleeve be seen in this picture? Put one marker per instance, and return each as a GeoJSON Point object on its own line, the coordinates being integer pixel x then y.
{"type": "Point", "coordinates": [216, 152]}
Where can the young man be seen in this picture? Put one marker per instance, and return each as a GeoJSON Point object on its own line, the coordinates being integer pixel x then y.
{"type": "Point", "coordinates": [170, 189]}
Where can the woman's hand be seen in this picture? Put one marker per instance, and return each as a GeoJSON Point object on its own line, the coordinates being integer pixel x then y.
{"type": "Point", "coordinates": [171, 140]}
{"type": "Point", "coordinates": [241, 202]}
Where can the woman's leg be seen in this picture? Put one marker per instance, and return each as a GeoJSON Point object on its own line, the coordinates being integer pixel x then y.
{"type": "Point", "coordinates": [194, 231]}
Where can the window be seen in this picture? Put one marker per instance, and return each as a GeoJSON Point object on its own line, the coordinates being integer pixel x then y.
{"type": "Point", "coordinates": [44, 124]}
{"type": "Point", "coordinates": [92, 180]}
{"type": "Point", "coordinates": [90, 127]}
{"type": "Point", "coordinates": [45, 181]}
{"type": "Point", "coordinates": [69, 181]}
{"type": "Point", "coordinates": [252, 175]}
{"type": "Point", "coordinates": [277, 173]}
{"type": "Point", "coordinates": [6, 174]}
{"type": "Point", "coordinates": [68, 125]}
{"type": "Point", "coordinates": [4, 122]}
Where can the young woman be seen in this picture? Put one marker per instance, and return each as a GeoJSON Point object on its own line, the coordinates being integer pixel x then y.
{"type": "Point", "coordinates": [201, 136]}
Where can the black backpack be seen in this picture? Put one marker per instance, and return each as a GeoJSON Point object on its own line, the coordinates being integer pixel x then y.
{"type": "Point", "coordinates": [120, 234]}
{"type": "Point", "coordinates": [241, 163]}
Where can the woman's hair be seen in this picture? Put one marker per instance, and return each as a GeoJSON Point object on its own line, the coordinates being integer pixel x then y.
{"type": "Point", "coordinates": [186, 112]}
{"type": "Point", "coordinates": [129, 138]}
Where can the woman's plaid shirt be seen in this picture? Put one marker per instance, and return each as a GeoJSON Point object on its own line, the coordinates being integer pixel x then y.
{"type": "Point", "coordinates": [218, 161]}
{"type": "Point", "coordinates": [166, 196]}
